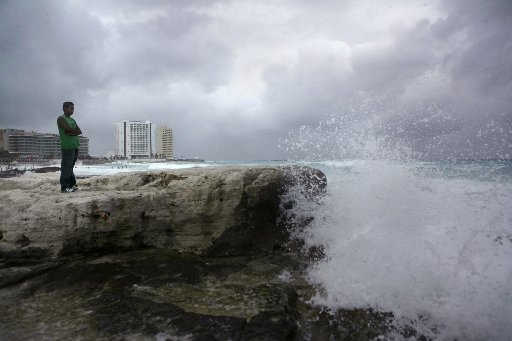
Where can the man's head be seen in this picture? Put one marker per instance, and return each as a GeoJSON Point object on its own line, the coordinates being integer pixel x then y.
{"type": "Point", "coordinates": [68, 108]}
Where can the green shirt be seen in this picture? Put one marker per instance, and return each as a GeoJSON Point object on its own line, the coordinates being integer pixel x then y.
{"type": "Point", "coordinates": [68, 141]}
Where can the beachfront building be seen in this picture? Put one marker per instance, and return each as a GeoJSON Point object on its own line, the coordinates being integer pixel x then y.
{"type": "Point", "coordinates": [164, 142]}
{"type": "Point", "coordinates": [83, 150]}
{"type": "Point", "coordinates": [133, 139]}
{"type": "Point", "coordinates": [4, 137]}
{"type": "Point", "coordinates": [25, 144]}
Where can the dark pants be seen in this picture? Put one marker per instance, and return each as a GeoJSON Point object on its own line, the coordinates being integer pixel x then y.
{"type": "Point", "coordinates": [67, 178]}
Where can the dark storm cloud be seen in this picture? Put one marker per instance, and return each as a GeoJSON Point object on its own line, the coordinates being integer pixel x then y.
{"type": "Point", "coordinates": [232, 77]}
{"type": "Point", "coordinates": [480, 68]}
{"type": "Point", "coordinates": [47, 54]}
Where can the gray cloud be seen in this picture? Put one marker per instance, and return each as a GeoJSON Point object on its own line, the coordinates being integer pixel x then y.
{"type": "Point", "coordinates": [47, 54]}
{"type": "Point", "coordinates": [233, 77]}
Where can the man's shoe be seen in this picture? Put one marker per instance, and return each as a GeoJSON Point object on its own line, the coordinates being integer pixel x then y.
{"type": "Point", "coordinates": [68, 190]}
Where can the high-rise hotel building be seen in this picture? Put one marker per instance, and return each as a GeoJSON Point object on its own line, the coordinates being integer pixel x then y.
{"type": "Point", "coordinates": [133, 139]}
{"type": "Point", "coordinates": [164, 142]}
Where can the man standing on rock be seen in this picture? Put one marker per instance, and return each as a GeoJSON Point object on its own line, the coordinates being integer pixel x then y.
{"type": "Point", "coordinates": [69, 143]}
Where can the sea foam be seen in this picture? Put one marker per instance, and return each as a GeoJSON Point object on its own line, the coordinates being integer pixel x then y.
{"type": "Point", "coordinates": [414, 239]}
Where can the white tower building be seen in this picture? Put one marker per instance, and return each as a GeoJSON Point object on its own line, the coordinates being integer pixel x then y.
{"type": "Point", "coordinates": [133, 139]}
{"type": "Point", "coordinates": [164, 142]}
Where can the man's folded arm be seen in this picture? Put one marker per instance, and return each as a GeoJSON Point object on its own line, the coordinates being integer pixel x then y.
{"type": "Point", "coordinates": [67, 129]}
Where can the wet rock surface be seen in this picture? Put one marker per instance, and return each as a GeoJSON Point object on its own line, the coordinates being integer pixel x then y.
{"type": "Point", "coordinates": [200, 254]}
{"type": "Point", "coordinates": [142, 295]}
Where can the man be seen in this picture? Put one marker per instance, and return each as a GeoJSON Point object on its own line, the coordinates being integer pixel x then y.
{"type": "Point", "coordinates": [69, 143]}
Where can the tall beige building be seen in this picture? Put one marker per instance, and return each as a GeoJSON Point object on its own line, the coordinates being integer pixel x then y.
{"type": "Point", "coordinates": [164, 142]}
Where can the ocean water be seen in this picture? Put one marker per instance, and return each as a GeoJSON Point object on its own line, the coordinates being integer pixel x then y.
{"type": "Point", "coordinates": [429, 241]}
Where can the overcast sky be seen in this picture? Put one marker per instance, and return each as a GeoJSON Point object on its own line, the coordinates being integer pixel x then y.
{"type": "Point", "coordinates": [232, 78]}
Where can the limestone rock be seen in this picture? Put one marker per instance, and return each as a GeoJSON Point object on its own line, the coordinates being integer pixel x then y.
{"type": "Point", "coordinates": [207, 211]}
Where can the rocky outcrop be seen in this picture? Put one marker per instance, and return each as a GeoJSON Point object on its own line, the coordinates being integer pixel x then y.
{"type": "Point", "coordinates": [214, 211]}
{"type": "Point", "coordinates": [196, 254]}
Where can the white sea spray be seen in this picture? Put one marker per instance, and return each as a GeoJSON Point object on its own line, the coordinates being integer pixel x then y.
{"type": "Point", "coordinates": [429, 241]}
